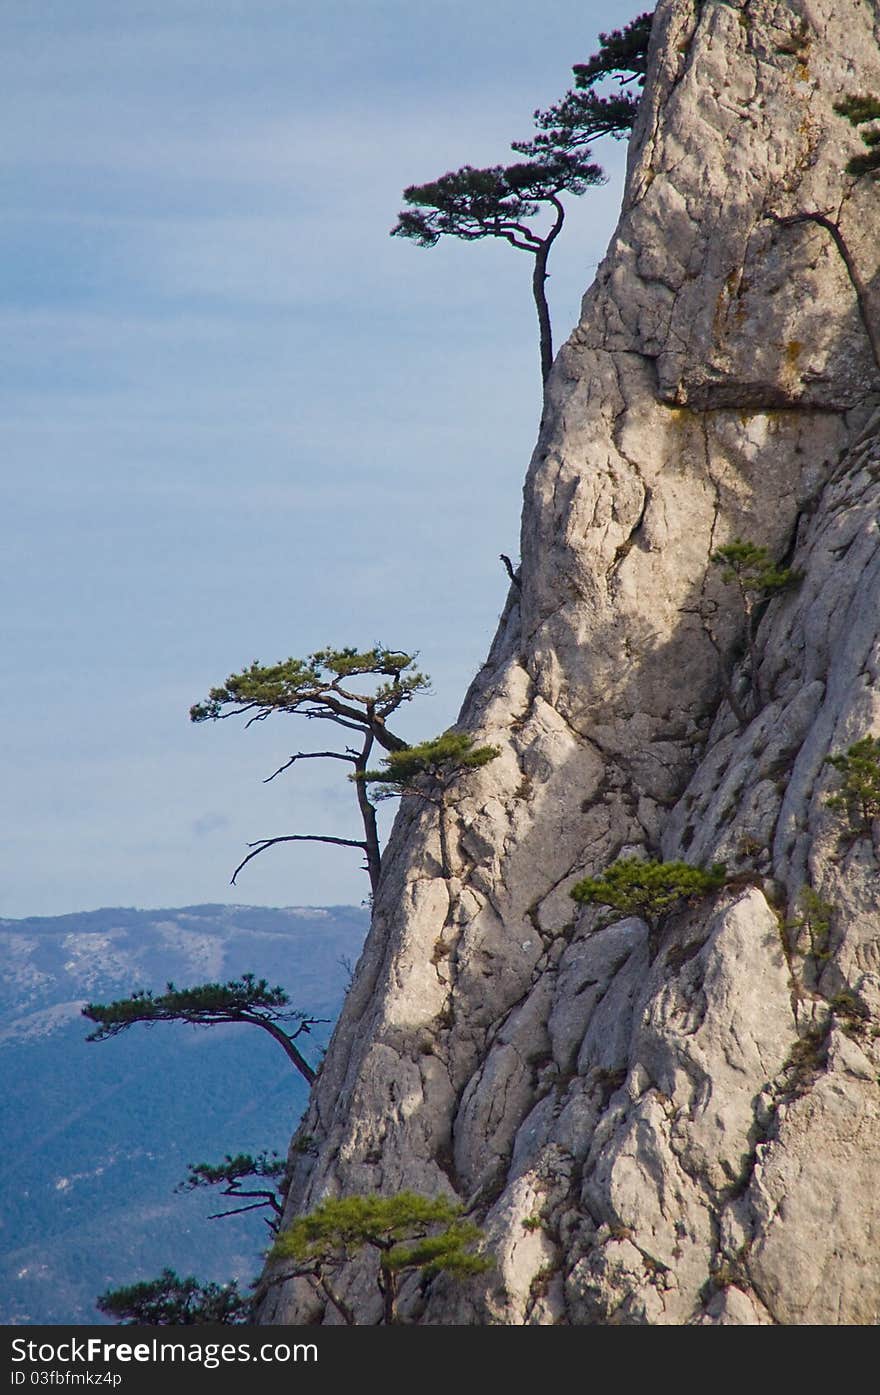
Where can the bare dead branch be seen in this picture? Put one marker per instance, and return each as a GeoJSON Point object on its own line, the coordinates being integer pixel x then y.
{"type": "Point", "coordinates": [260, 716]}
{"type": "Point", "coordinates": [508, 567]}
{"type": "Point", "coordinates": [263, 843]}
{"type": "Point", "coordinates": [257, 1206]}
{"type": "Point", "coordinates": [309, 755]}
{"type": "Point", "coordinates": [822, 220]}
{"type": "Point", "coordinates": [306, 1025]}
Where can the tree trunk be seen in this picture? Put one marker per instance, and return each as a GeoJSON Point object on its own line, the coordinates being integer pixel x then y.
{"type": "Point", "coordinates": [539, 277]}
{"type": "Point", "coordinates": [368, 816]}
{"type": "Point", "coordinates": [445, 862]}
{"type": "Point", "coordinates": [388, 1288]}
{"type": "Point", "coordinates": [285, 1042]}
{"type": "Point", "coordinates": [858, 285]}
{"type": "Point", "coordinates": [753, 650]}
{"type": "Point", "coordinates": [341, 1307]}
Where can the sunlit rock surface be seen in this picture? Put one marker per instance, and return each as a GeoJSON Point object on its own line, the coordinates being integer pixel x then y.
{"type": "Point", "coordinates": [689, 1120]}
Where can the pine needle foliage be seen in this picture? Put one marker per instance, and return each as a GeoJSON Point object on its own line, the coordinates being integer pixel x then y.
{"type": "Point", "coordinates": [339, 1228]}
{"type": "Point", "coordinates": [409, 1231]}
{"type": "Point", "coordinates": [858, 796]}
{"type": "Point", "coordinates": [247, 999]}
{"type": "Point", "coordinates": [649, 888]}
{"type": "Point", "coordinates": [239, 1176]}
{"type": "Point", "coordinates": [320, 686]}
{"type": "Point", "coordinates": [446, 1253]}
{"type": "Point", "coordinates": [472, 204]}
{"type": "Point", "coordinates": [435, 763]}
{"type": "Point", "coordinates": [622, 54]}
{"type": "Point", "coordinates": [257, 1182]}
{"type": "Point", "coordinates": [753, 570]}
{"type": "Point", "coordinates": [203, 1005]}
{"type": "Point", "coordinates": [863, 111]}
{"type": "Point", "coordinates": [583, 114]}
{"type": "Point", "coordinates": [169, 1301]}
{"type": "Point", "coordinates": [326, 687]}
{"type": "Point", "coordinates": [234, 1169]}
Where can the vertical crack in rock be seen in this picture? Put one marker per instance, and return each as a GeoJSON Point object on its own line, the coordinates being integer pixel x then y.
{"type": "Point", "coordinates": [680, 1125]}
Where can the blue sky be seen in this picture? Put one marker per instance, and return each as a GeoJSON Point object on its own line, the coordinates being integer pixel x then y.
{"type": "Point", "coordinates": [239, 421]}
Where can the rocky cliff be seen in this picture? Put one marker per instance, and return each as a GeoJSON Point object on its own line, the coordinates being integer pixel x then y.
{"type": "Point", "coordinates": [675, 1123]}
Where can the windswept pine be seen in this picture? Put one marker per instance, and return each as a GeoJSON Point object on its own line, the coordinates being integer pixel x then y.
{"type": "Point", "coordinates": [247, 999]}
{"type": "Point", "coordinates": [326, 687]}
{"type": "Point", "coordinates": [502, 202]}
{"type": "Point", "coordinates": [408, 1232]}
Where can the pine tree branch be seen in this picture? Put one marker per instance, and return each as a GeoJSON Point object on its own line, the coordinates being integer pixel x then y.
{"type": "Point", "coordinates": [262, 844]}
{"type": "Point", "coordinates": [310, 755]}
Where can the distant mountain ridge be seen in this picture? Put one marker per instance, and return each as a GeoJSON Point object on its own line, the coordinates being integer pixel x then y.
{"type": "Point", "coordinates": [98, 1135]}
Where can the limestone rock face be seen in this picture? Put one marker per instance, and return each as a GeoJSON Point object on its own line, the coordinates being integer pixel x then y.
{"type": "Point", "coordinates": [686, 1115]}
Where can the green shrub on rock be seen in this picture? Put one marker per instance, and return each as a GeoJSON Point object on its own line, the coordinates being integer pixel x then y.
{"type": "Point", "coordinates": [650, 888]}
{"type": "Point", "coordinates": [858, 795]}
{"type": "Point", "coordinates": [410, 1233]}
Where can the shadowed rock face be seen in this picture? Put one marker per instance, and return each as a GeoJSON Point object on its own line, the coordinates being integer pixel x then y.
{"type": "Point", "coordinates": [693, 1112]}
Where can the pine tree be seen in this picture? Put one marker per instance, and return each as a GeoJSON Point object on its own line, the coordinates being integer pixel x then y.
{"type": "Point", "coordinates": [427, 771]}
{"type": "Point", "coordinates": [757, 578]}
{"type": "Point", "coordinates": [410, 1233]}
{"type": "Point", "coordinates": [649, 888]}
{"type": "Point", "coordinates": [233, 1173]}
{"type": "Point", "coordinates": [324, 687]}
{"type": "Point", "coordinates": [246, 999]}
{"type": "Point", "coordinates": [501, 201]}
{"type": "Point", "coordinates": [170, 1301]}
{"type": "Point", "coordinates": [858, 794]}
{"type": "Point", "coordinates": [583, 114]}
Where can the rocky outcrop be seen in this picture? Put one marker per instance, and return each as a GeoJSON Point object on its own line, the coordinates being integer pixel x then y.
{"type": "Point", "coordinates": [673, 1124]}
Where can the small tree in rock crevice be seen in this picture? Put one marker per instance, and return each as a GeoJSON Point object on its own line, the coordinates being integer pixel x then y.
{"type": "Point", "coordinates": [859, 111]}
{"type": "Point", "coordinates": [757, 577]}
{"type": "Point", "coordinates": [815, 917]}
{"type": "Point", "coordinates": [832, 227]}
{"type": "Point", "coordinates": [858, 794]}
{"type": "Point", "coordinates": [410, 1233]}
{"type": "Point", "coordinates": [325, 687]}
{"type": "Point", "coordinates": [649, 888]}
{"type": "Point", "coordinates": [428, 771]}
{"type": "Point", "coordinates": [247, 999]}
